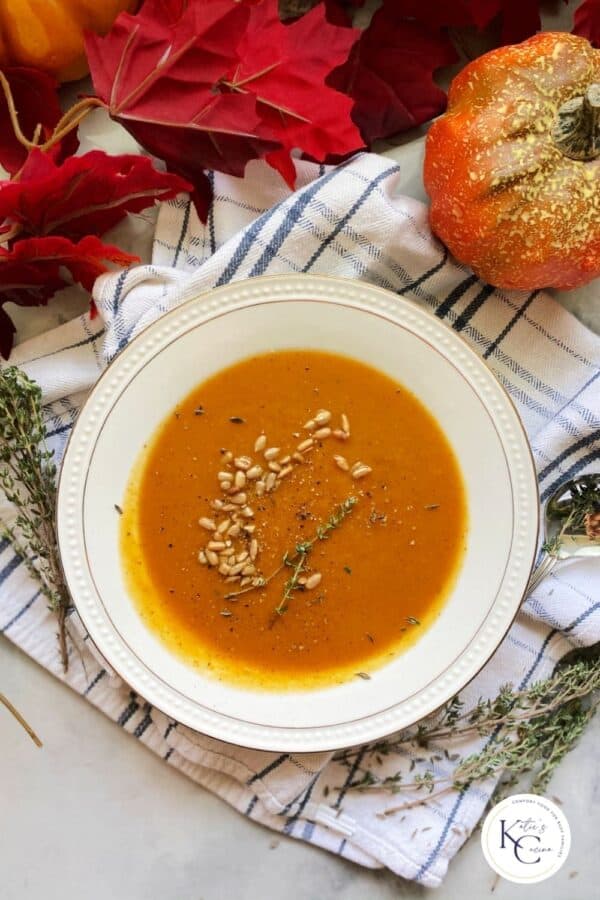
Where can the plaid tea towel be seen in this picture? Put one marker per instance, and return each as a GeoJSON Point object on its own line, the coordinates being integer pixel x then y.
{"type": "Point", "coordinates": [350, 221]}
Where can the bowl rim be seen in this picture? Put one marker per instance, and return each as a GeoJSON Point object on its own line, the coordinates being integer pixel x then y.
{"type": "Point", "coordinates": [258, 291]}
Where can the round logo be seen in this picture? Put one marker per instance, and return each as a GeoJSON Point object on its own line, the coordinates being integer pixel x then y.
{"type": "Point", "coordinates": [526, 838]}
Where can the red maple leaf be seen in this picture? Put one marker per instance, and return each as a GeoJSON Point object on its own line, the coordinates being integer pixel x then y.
{"type": "Point", "coordinates": [26, 285]}
{"type": "Point", "coordinates": [85, 195]}
{"type": "Point", "coordinates": [520, 18]}
{"type": "Point", "coordinates": [285, 67]}
{"type": "Point", "coordinates": [447, 13]}
{"type": "Point", "coordinates": [389, 74]}
{"type": "Point", "coordinates": [159, 72]}
{"type": "Point", "coordinates": [586, 21]}
{"type": "Point", "coordinates": [35, 97]}
{"type": "Point", "coordinates": [32, 271]}
{"type": "Point", "coordinates": [183, 78]}
{"type": "Point", "coordinates": [339, 12]}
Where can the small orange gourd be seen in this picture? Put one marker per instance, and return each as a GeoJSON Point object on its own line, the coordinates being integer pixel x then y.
{"type": "Point", "coordinates": [48, 34]}
{"type": "Point", "coordinates": [513, 167]}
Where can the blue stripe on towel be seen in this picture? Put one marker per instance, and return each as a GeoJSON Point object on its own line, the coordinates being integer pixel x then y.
{"type": "Point", "coordinates": [349, 215]}
{"type": "Point", "coordinates": [539, 656]}
{"type": "Point", "coordinates": [474, 306]}
{"type": "Point", "coordinates": [272, 765]}
{"type": "Point", "coordinates": [20, 613]}
{"type": "Point", "coordinates": [454, 296]}
{"type": "Point", "coordinates": [505, 331]}
{"type": "Point", "coordinates": [9, 568]}
{"type": "Point", "coordinates": [94, 682]}
{"type": "Point", "coordinates": [570, 472]}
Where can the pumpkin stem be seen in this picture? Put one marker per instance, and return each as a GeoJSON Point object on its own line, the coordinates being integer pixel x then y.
{"type": "Point", "coordinates": [577, 129]}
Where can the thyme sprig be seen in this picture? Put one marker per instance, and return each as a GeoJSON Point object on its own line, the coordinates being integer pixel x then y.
{"type": "Point", "coordinates": [297, 558]}
{"type": "Point", "coordinates": [298, 561]}
{"type": "Point", "coordinates": [578, 499]}
{"type": "Point", "coordinates": [529, 732]}
{"type": "Point", "coordinates": [27, 479]}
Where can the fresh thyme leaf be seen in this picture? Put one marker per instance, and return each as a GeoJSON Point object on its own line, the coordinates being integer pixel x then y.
{"type": "Point", "coordinates": [298, 561]}
{"type": "Point", "coordinates": [570, 508]}
{"type": "Point", "coordinates": [291, 584]}
{"type": "Point", "coordinates": [27, 479]}
{"type": "Point", "coordinates": [552, 547]}
{"type": "Point", "coordinates": [529, 732]}
{"type": "Point", "coordinates": [297, 558]}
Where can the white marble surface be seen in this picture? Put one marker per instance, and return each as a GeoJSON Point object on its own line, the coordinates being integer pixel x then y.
{"type": "Point", "coordinates": [94, 815]}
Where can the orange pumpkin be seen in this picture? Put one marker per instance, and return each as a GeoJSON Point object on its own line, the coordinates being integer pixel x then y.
{"type": "Point", "coordinates": [513, 167]}
{"type": "Point", "coordinates": [48, 34]}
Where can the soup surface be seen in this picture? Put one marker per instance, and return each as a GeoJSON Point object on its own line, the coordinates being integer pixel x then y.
{"type": "Point", "coordinates": [281, 570]}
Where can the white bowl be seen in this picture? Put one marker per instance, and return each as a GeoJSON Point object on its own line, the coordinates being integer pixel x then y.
{"type": "Point", "coordinates": [215, 330]}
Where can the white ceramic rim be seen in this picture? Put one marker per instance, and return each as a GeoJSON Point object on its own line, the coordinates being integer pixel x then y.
{"type": "Point", "coordinates": [174, 324]}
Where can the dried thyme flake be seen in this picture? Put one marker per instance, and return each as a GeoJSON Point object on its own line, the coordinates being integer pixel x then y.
{"type": "Point", "coordinates": [412, 621]}
{"type": "Point", "coordinates": [118, 509]}
{"type": "Point", "coordinates": [237, 420]}
{"type": "Point", "coordinates": [363, 675]}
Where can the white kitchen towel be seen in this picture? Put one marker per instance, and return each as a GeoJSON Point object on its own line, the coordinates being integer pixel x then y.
{"type": "Point", "coordinates": [352, 222]}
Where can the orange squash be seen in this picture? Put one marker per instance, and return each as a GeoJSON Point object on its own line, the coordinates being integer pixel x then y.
{"type": "Point", "coordinates": [48, 34]}
{"type": "Point", "coordinates": [513, 167]}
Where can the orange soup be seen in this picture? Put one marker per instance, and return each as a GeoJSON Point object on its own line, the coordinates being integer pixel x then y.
{"type": "Point", "coordinates": [296, 520]}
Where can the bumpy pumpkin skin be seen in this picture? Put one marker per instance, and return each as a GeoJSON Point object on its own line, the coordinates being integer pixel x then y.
{"type": "Point", "coordinates": [504, 198]}
{"type": "Point", "coordinates": [48, 34]}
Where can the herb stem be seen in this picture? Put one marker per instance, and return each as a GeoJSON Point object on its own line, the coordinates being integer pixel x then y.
{"type": "Point", "coordinates": [27, 479]}
{"type": "Point", "coordinates": [584, 499]}
{"type": "Point", "coordinates": [528, 731]}
{"type": "Point", "coordinates": [69, 120]}
{"type": "Point", "coordinates": [292, 583]}
{"type": "Point", "coordinates": [298, 558]}
{"type": "Point", "coordinates": [23, 722]}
